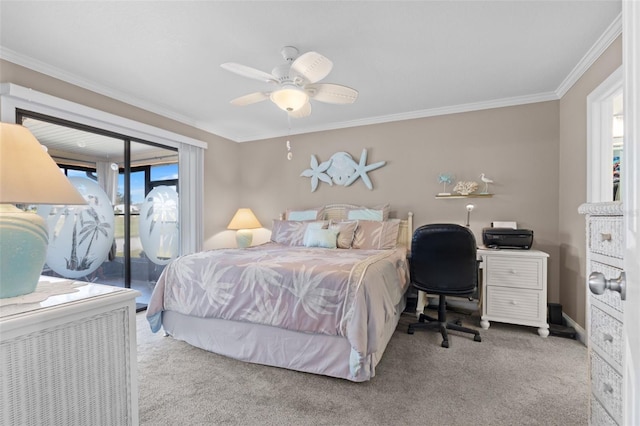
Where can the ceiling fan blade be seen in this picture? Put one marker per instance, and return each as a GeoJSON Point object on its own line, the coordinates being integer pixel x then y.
{"type": "Point", "coordinates": [331, 93]}
{"type": "Point", "coordinates": [251, 98]}
{"type": "Point", "coordinates": [248, 72]}
{"type": "Point", "coordinates": [305, 111]}
{"type": "Point", "coordinates": [312, 66]}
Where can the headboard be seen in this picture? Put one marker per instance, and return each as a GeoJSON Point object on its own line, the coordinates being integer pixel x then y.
{"type": "Point", "coordinates": [405, 233]}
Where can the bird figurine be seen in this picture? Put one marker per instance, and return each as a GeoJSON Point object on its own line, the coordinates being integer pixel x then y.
{"type": "Point", "coordinates": [486, 181]}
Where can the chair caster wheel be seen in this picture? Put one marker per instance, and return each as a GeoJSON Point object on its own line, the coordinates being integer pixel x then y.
{"type": "Point", "coordinates": [445, 344]}
{"type": "Point", "coordinates": [410, 330]}
{"type": "Point", "coordinates": [477, 338]}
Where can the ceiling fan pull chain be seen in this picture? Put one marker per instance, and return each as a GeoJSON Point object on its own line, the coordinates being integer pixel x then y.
{"type": "Point", "coordinates": [289, 153]}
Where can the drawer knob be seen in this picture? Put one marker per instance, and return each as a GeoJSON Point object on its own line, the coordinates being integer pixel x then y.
{"type": "Point", "coordinates": [513, 271]}
{"type": "Point", "coordinates": [598, 284]}
{"type": "Point", "coordinates": [607, 337]}
{"type": "Point", "coordinates": [605, 237]}
{"type": "Point", "coordinates": [513, 302]}
{"type": "Point", "coordinates": [607, 388]}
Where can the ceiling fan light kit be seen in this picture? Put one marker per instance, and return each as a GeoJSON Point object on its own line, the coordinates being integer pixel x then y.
{"type": "Point", "coordinates": [297, 80]}
{"type": "Point", "coordinates": [290, 98]}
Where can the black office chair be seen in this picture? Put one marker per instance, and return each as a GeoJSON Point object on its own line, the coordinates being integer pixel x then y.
{"type": "Point", "coordinates": [443, 262]}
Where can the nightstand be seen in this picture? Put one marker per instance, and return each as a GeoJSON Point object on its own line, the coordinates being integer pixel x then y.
{"type": "Point", "coordinates": [514, 288]}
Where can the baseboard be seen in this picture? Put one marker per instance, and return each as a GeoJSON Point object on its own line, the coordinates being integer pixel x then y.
{"type": "Point", "coordinates": [581, 333]}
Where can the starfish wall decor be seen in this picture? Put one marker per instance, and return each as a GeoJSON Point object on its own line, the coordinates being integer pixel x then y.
{"type": "Point", "coordinates": [341, 169]}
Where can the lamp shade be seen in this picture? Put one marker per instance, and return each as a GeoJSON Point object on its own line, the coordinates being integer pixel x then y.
{"type": "Point", "coordinates": [28, 175]}
{"type": "Point", "coordinates": [244, 219]}
{"type": "Point", "coordinates": [289, 99]}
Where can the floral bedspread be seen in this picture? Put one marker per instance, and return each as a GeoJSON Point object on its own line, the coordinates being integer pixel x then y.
{"type": "Point", "coordinates": [350, 293]}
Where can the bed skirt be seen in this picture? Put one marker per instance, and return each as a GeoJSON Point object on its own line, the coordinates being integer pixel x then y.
{"type": "Point", "coordinates": [278, 347]}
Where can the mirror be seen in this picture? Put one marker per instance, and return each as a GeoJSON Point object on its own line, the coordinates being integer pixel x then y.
{"type": "Point", "coordinates": [605, 130]}
{"type": "Point", "coordinates": [617, 144]}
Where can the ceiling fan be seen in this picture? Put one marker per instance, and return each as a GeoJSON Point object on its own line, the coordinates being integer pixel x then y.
{"type": "Point", "coordinates": [297, 81]}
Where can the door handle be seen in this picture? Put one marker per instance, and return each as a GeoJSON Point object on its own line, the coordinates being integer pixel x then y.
{"type": "Point", "coordinates": [598, 284]}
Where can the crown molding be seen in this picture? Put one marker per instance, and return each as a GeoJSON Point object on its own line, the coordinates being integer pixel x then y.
{"type": "Point", "coordinates": [433, 112]}
{"type": "Point", "coordinates": [605, 40]}
{"type": "Point", "coordinates": [41, 67]}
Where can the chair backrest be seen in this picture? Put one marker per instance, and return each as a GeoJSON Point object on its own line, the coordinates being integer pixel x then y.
{"type": "Point", "coordinates": [443, 259]}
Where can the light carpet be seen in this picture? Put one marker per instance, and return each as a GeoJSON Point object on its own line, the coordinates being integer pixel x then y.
{"type": "Point", "coordinates": [512, 377]}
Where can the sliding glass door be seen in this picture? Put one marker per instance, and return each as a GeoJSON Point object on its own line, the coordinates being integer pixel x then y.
{"type": "Point", "coordinates": [129, 229]}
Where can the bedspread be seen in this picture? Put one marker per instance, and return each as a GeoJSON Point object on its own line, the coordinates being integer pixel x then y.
{"type": "Point", "coordinates": [350, 293]}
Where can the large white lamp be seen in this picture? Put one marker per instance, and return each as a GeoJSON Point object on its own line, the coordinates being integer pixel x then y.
{"type": "Point", "coordinates": [28, 175]}
{"type": "Point", "coordinates": [290, 98]}
{"type": "Point", "coordinates": [244, 221]}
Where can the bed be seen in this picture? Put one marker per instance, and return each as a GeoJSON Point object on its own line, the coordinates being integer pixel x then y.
{"type": "Point", "coordinates": [295, 302]}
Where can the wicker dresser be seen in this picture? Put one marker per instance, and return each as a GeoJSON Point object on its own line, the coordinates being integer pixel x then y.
{"type": "Point", "coordinates": [604, 311]}
{"type": "Point", "coordinates": [70, 359]}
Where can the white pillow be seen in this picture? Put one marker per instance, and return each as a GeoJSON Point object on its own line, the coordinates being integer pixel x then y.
{"type": "Point", "coordinates": [378, 213]}
{"type": "Point", "coordinates": [325, 238]}
{"type": "Point", "coordinates": [309, 214]}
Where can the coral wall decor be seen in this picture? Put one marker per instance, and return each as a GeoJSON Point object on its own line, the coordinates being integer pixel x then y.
{"type": "Point", "coordinates": [340, 169]}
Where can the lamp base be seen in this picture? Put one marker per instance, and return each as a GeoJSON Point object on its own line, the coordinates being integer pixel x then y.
{"type": "Point", "coordinates": [23, 250]}
{"type": "Point", "coordinates": [244, 238]}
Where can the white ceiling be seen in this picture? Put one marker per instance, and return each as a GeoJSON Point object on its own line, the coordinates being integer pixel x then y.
{"type": "Point", "coordinates": [407, 59]}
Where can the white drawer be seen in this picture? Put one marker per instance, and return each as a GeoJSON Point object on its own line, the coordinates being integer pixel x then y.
{"type": "Point", "coordinates": [606, 385]}
{"type": "Point", "coordinates": [610, 298]}
{"type": "Point", "coordinates": [606, 236]}
{"type": "Point", "coordinates": [512, 272]}
{"type": "Point", "coordinates": [504, 302]}
{"type": "Point", "coordinates": [599, 416]}
{"type": "Point", "coordinates": [606, 334]}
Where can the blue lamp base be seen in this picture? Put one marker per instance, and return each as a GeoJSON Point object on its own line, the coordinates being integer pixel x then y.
{"type": "Point", "coordinates": [23, 250]}
{"type": "Point", "coordinates": [244, 238]}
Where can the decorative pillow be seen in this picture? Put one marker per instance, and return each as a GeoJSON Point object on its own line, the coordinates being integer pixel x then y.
{"type": "Point", "coordinates": [378, 213]}
{"type": "Point", "coordinates": [309, 214]}
{"type": "Point", "coordinates": [376, 235]}
{"type": "Point", "coordinates": [346, 231]}
{"type": "Point", "coordinates": [325, 238]}
{"type": "Point", "coordinates": [291, 232]}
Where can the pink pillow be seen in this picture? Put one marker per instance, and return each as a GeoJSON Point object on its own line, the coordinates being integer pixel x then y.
{"type": "Point", "coordinates": [376, 235]}
{"type": "Point", "coordinates": [346, 232]}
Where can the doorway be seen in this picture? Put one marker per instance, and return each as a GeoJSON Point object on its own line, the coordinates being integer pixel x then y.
{"type": "Point", "coordinates": [129, 231]}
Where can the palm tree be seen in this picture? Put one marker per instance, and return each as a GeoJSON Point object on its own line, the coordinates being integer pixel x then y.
{"type": "Point", "coordinates": [72, 262]}
{"type": "Point", "coordinates": [91, 228]}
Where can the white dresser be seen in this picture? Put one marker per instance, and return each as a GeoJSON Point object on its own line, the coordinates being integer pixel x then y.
{"type": "Point", "coordinates": [514, 288]}
{"type": "Point", "coordinates": [604, 311]}
{"type": "Point", "coordinates": [70, 359]}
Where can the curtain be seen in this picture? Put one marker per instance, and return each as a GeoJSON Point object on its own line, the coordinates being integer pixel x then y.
{"type": "Point", "coordinates": [108, 180]}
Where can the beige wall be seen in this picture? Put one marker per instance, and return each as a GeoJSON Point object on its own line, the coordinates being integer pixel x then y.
{"type": "Point", "coordinates": [572, 182]}
{"type": "Point", "coordinates": [516, 146]}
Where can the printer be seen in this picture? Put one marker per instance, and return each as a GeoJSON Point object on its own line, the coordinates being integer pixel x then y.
{"type": "Point", "coordinates": [507, 238]}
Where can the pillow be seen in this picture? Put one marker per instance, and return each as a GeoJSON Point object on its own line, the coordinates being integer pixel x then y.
{"type": "Point", "coordinates": [325, 238]}
{"type": "Point", "coordinates": [291, 232]}
{"type": "Point", "coordinates": [346, 231]}
{"type": "Point", "coordinates": [378, 213]}
{"type": "Point", "coordinates": [309, 214]}
{"type": "Point", "coordinates": [377, 235]}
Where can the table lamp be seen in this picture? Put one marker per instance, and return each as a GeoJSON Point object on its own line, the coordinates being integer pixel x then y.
{"type": "Point", "coordinates": [28, 175]}
{"type": "Point", "coordinates": [244, 221]}
{"type": "Point", "coordinates": [469, 208]}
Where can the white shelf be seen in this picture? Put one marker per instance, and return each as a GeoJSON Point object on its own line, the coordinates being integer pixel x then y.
{"type": "Point", "coordinates": [464, 196]}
